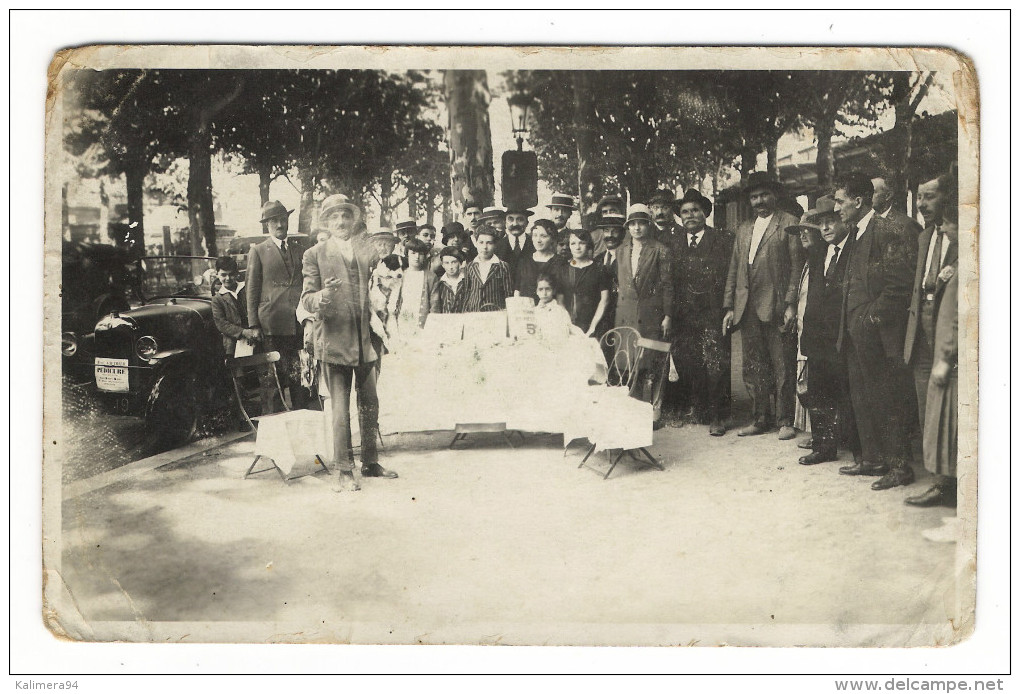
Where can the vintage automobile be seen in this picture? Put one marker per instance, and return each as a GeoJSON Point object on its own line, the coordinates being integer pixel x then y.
{"type": "Point", "coordinates": [163, 359]}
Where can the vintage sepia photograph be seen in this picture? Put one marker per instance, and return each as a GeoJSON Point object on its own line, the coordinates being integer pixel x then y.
{"type": "Point", "coordinates": [607, 346]}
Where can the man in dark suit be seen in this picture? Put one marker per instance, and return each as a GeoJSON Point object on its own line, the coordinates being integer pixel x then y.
{"type": "Point", "coordinates": [337, 276]}
{"type": "Point", "coordinates": [875, 299]}
{"type": "Point", "coordinates": [828, 389]}
{"type": "Point", "coordinates": [883, 204]}
{"type": "Point", "coordinates": [761, 302]}
{"type": "Point", "coordinates": [608, 204]}
{"type": "Point", "coordinates": [611, 226]}
{"type": "Point", "coordinates": [662, 205]}
{"type": "Point", "coordinates": [701, 351]}
{"type": "Point", "coordinates": [516, 244]}
{"type": "Point", "coordinates": [273, 281]}
{"type": "Point", "coordinates": [936, 265]}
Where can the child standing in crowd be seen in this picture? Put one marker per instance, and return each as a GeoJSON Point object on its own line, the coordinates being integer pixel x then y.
{"type": "Point", "coordinates": [552, 319]}
{"type": "Point", "coordinates": [563, 244]}
{"type": "Point", "coordinates": [587, 291]}
{"type": "Point", "coordinates": [451, 290]}
{"type": "Point", "coordinates": [416, 290]}
{"type": "Point", "coordinates": [489, 280]}
{"type": "Point", "coordinates": [543, 261]}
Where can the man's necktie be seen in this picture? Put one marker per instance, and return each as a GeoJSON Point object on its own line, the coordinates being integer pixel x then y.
{"type": "Point", "coordinates": [286, 255]}
{"type": "Point", "coordinates": [694, 241]}
{"type": "Point", "coordinates": [832, 263]}
{"type": "Point", "coordinates": [936, 261]}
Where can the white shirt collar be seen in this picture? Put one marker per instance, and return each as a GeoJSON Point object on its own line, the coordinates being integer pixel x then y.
{"type": "Point", "coordinates": [451, 282]}
{"type": "Point", "coordinates": [862, 225]}
{"type": "Point", "coordinates": [224, 290]}
{"type": "Point", "coordinates": [762, 222]}
{"type": "Point", "coordinates": [277, 241]}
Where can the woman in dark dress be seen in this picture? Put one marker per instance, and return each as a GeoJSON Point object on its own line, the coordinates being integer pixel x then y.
{"type": "Point", "coordinates": [543, 260]}
{"type": "Point", "coordinates": [587, 285]}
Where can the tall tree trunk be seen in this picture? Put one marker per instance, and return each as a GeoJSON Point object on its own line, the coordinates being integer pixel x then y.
{"type": "Point", "coordinates": [412, 202]}
{"type": "Point", "coordinates": [906, 98]}
{"type": "Point", "coordinates": [265, 180]}
{"type": "Point", "coordinates": [385, 194]}
{"type": "Point", "coordinates": [134, 176]}
{"type": "Point", "coordinates": [430, 207]}
{"type": "Point", "coordinates": [748, 160]}
{"type": "Point", "coordinates": [825, 169]}
{"type": "Point", "coordinates": [200, 202]}
{"type": "Point", "coordinates": [772, 155]}
{"type": "Point", "coordinates": [588, 182]}
{"type": "Point", "coordinates": [306, 177]}
{"type": "Point", "coordinates": [467, 104]}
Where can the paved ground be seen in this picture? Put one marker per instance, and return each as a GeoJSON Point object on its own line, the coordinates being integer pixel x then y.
{"type": "Point", "coordinates": [491, 545]}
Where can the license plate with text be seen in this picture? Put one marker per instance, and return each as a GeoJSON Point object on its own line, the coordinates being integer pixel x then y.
{"type": "Point", "coordinates": [112, 374]}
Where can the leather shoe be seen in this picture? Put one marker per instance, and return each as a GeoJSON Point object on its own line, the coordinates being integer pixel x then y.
{"type": "Point", "coordinates": [816, 457]}
{"type": "Point", "coordinates": [895, 478]}
{"type": "Point", "coordinates": [752, 429]}
{"type": "Point", "coordinates": [787, 432]}
{"type": "Point", "coordinates": [807, 444]}
{"type": "Point", "coordinates": [716, 428]}
{"type": "Point", "coordinates": [377, 470]}
{"type": "Point", "coordinates": [936, 496]}
{"type": "Point", "coordinates": [863, 468]}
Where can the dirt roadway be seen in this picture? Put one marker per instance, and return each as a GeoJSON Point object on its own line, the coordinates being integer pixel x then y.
{"type": "Point", "coordinates": [487, 545]}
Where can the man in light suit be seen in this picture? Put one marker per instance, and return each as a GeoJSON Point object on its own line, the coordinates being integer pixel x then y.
{"type": "Point", "coordinates": [936, 266]}
{"type": "Point", "coordinates": [337, 277]}
{"type": "Point", "coordinates": [761, 302]}
{"type": "Point", "coordinates": [876, 294]}
{"type": "Point", "coordinates": [273, 282]}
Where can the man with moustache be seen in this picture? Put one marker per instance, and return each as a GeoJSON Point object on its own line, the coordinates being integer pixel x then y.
{"type": "Point", "coordinates": [473, 215]}
{"type": "Point", "coordinates": [516, 244]}
{"type": "Point", "coordinates": [561, 208]}
{"type": "Point", "coordinates": [662, 204]}
{"type": "Point", "coordinates": [608, 204]}
{"type": "Point", "coordinates": [761, 301]}
{"type": "Point", "coordinates": [495, 217]}
{"type": "Point", "coordinates": [828, 388]}
{"type": "Point", "coordinates": [876, 297]}
{"type": "Point", "coordinates": [610, 225]}
{"type": "Point", "coordinates": [936, 267]}
{"type": "Point", "coordinates": [337, 276]}
{"type": "Point", "coordinates": [701, 351]}
{"type": "Point", "coordinates": [273, 285]}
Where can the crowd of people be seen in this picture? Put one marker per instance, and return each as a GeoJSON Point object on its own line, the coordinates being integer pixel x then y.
{"type": "Point", "coordinates": [847, 313]}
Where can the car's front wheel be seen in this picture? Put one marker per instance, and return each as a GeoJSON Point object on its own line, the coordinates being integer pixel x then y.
{"type": "Point", "coordinates": [174, 408]}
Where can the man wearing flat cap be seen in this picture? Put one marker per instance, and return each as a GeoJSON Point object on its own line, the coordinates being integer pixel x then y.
{"type": "Point", "coordinates": [701, 351]}
{"type": "Point", "coordinates": [273, 283]}
{"type": "Point", "coordinates": [337, 277]}
{"type": "Point", "coordinates": [827, 393]}
{"type": "Point", "coordinates": [662, 205]}
{"type": "Point", "coordinates": [761, 302]}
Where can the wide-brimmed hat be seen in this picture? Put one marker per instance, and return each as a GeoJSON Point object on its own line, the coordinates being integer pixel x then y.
{"type": "Point", "coordinates": [561, 200]}
{"type": "Point", "coordinates": [611, 220]}
{"type": "Point", "coordinates": [383, 234]}
{"type": "Point", "coordinates": [812, 219]}
{"type": "Point", "coordinates": [335, 203]}
{"type": "Point", "coordinates": [639, 212]}
{"type": "Point", "coordinates": [693, 195]}
{"type": "Point", "coordinates": [274, 208]}
{"type": "Point", "coordinates": [406, 225]}
{"type": "Point", "coordinates": [762, 179]}
{"type": "Point", "coordinates": [493, 213]}
{"type": "Point", "coordinates": [662, 197]}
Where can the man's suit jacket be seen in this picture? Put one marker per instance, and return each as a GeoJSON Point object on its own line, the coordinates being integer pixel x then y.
{"type": "Point", "coordinates": [824, 308]}
{"type": "Point", "coordinates": [645, 298]}
{"type": "Point", "coordinates": [671, 236]}
{"type": "Point", "coordinates": [914, 315]}
{"type": "Point", "coordinates": [273, 292]}
{"type": "Point", "coordinates": [613, 270]}
{"type": "Point", "coordinates": [879, 273]}
{"type": "Point", "coordinates": [909, 227]}
{"type": "Point", "coordinates": [503, 252]}
{"type": "Point", "coordinates": [701, 277]}
{"type": "Point", "coordinates": [230, 317]}
{"type": "Point", "coordinates": [775, 272]}
{"type": "Point", "coordinates": [343, 335]}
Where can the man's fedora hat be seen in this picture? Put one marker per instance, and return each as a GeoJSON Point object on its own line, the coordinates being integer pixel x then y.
{"type": "Point", "coordinates": [611, 220]}
{"type": "Point", "coordinates": [335, 203]}
{"type": "Point", "coordinates": [561, 200]}
{"type": "Point", "coordinates": [824, 206]}
{"type": "Point", "coordinates": [406, 225]}
{"type": "Point", "coordinates": [274, 208]}
{"type": "Point", "coordinates": [638, 213]}
{"type": "Point", "coordinates": [662, 197]}
{"type": "Point", "coordinates": [694, 196]}
{"type": "Point", "coordinates": [493, 213]}
{"type": "Point", "coordinates": [762, 179]}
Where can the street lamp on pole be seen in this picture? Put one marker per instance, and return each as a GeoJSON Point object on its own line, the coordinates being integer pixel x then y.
{"type": "Point", "coordinates": [519, 105]}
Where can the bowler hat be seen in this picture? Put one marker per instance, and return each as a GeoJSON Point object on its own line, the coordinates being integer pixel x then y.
{"type": "Point", "coordinates": [610, 220]}
{"type": "Point", "coordinates": [335, 203]}
{"type": "Point", "coordinates": [639, 212]}
{"type": "Point", "coordinates": [493, 213]}
{"type": "Point", "coordinates": [693, 195]}
{"type": "Point", "coordinates": [561, 200]}
{"type": "Point", "coordinates": [761, 179]}
{"type": "Point", "coordinates": [662, 197]}
{"type": "Point", "coordinates": [274, 208]}
{"type": "Point", "coordinates": [519, 210]}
